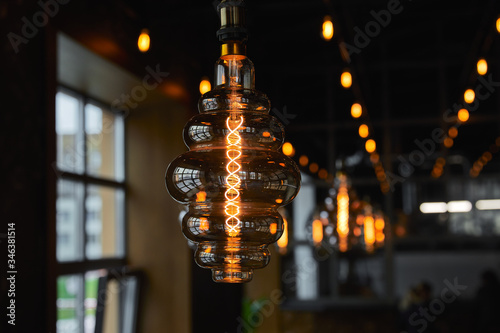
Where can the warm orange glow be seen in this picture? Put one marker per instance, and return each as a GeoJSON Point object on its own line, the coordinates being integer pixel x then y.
{"type": "Point", "coordinates": [314, 167]}
{"type": "Point", "coordinates": [273, 228]}
{"type": "Point", "coordinates": [469, 96]}
{"type": "Point", "coordinates": [205, 86]}
{"type": "Point", "coordinates": [487, 156]}
{"type": "Point", "coordinates": [343, 214]}
{"type": "Point", "coordinates": [453, 132]}
{"type": "Point", "coordinates": [208, 249]}
{"type": "Point", "coordinates": [463, 115]}
{"type": "Point", "coordinates": [379, 223]}
{"type": "Point", "coordinates": [266, 134]}
{"type": "Point", "coordinates": [144, 41]}
{"type": "Point", "coordinates": [379, 237]}
{"type": "Point", "coordinates": [357, 231]}
{"type": "Point", "coordinates": [374, 158]}
{"type": "Point", "coordinates": [283, 241]}
{"type": "Point", "coordinates": [482, 67]}
{"type": "Point", "coordinates": [448, 142]}
{"type": "Point", "coordinates": [346, 79]}
{"type": "Point", "coordinates": [356, 110]}
{"type": "Point", "coordinates": [328, 28]}
{"type": "Point", "coordinates": [317, 232]}
{"type": "Point", "coordinates": [322, 174]}
{"type": "Point", "coordinates": [279, 201]}
{"type": "Point", "coordinates": [369, 233]}
{"type": "Point", "coordinates": [370, 146]}
{"type": "Point", "coordinates": [363, 131]}
{"type": "Point", "coordinates": [233, 181]}
{"type": "Point", "coordinates": [303, 160]}
{"type": "Point", "coordinates": [204, 224]}
{"type": "Point", "coordinates": [288, 149]}
{"type": "Point", "coordinates": [360, 219]}
{"type": "Point", "coordinates": [440, 161]}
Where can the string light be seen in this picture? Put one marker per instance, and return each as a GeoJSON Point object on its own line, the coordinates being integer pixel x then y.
{"type": "Point", "coordinates": [143, 42]}
{"type": "Point", "coordinates": [303, 160]}
{"type": "Point", "coordinates": [322, 173]}
{"type": "Point", "coordinates": [453, 132]}
{"type": "Point", "coordinates": [498, 25]}
{"type": "Point", "coordinates": [346, 79]}
{"type": "Point", "coordinates": [370, 146]}
{"type": "Point", "coordinates": [205, 86]}
{"type": "Point", "coordinates": [463, 115]}
{"type": "Point", "coordinates": [328, 28]}
{"type": "Point", "coordinates": [469, 96]}
{"type": "Point", "coordinates": [363, 131]}
{"type": "Point", "coordinates": [313, 167]}
{"type": "Point", "coordinates": [356, 110]}
{"type": "Point", "coordinates": [448, 142]}
{"type": "Point", "coordinates": [288, 149]}
{"type": "Point", "coordinates": [482, 67]}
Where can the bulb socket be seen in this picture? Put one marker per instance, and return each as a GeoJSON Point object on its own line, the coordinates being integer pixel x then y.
{"type": "Point", "coordinates": [232, 21]}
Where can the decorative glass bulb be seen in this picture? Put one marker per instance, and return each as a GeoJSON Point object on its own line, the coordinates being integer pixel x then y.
{"type": "Point", "coordinates": [234, 177]}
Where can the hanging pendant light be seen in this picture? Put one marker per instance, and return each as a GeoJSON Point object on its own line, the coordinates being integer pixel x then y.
{"type": "Point", "coordinates": [234, 177]}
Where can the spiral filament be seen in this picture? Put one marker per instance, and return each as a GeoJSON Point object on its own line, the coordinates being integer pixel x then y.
{"type": "Point", "coordinates": [343, 216]}
{"type": "Point", "coordinates": [233, 181]}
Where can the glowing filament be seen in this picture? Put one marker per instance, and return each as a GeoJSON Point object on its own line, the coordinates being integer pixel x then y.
{"type": "Point", "coordinates": [343, 217]}
{"type": "Point", "coordinates": [233, 181]}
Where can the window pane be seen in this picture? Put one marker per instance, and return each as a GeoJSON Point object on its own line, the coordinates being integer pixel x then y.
{"type": "Point", "coordinates": [90, 303]}
{"type": "Point", "coordinates": [69, 208]}
{"type": "Point", "coordinates": [104, 132]}
{"type": "Point", "coordinates": [104, 225]}
{"type": "Point", "coordinates": [70, 145]}
{"type": "Point", "coordinates": [69, 299]}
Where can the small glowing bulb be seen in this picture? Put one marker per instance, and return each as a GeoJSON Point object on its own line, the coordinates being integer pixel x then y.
{"type": "Point", "coordinates": [379, 224]}
{"type": "Point", "coordinates": [469, 96]}
{"type": "Point", "coordinates": [498, 25]}
{"type": "Point", "coordinates": [205, 86]}
{"type": "Point", "coordinates": [363, 131]}
{"type": "Point", "coordinates": [356, 110]}
{"type": "Point", "coordinates": [482, 66]}
{"type": "Point", "coordinates": [453, 132]}
{"type": "Point", "coordinates": [370, 146]}
{"type": "Point", "coordinates": [448, 142]}
{"type": "Point", "coordinates": [327, 28]}
{"type": "Point", "coordinates": [303, 160]}
{"type": "Point", "coordinates": [463, 115]}
{"type": "Point", "coordinates": [144, 41]}
{"type": "Point", "coordinates": [346, 79]}
{"type": "Point", "coordinates": [314, 167]}
{"type": "Point", "coordinates": [323, 174]}
{"type": "Point", "coordinates": [288, 149]}
{"type": "Point", "coordinates": [317, 232]}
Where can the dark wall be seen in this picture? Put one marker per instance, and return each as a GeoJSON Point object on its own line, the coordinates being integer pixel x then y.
{"type": "Point", "coordinates": [23, 164]}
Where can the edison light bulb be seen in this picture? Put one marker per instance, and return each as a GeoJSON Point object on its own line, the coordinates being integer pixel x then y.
{"type": "Point", "coordinates": [234, 159]}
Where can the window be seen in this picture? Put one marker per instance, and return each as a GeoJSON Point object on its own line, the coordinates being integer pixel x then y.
{"type": "Point", "coordinates": [90, 221]}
